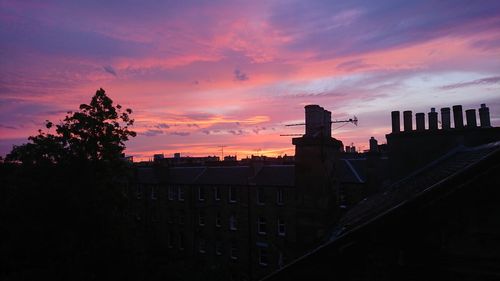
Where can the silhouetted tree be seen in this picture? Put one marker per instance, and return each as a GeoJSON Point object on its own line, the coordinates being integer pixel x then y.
{"type": "Point", "coordinates": [62, 198]}
{"type": "Point", "coordinates": [96, 132]}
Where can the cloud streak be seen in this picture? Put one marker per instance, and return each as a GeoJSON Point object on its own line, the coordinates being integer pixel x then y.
{"type": "Point", "coordinates": [483, 81]}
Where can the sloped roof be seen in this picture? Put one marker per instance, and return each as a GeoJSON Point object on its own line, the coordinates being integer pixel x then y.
{"type": "Point", "coordinates": [276, 175]}
{"type": "Point", "coordinates": [146, 175]}
{"type": "Point", "coordinates": [415, 184]}
{"type": "Point", "coordinates": [352, 170]}
{"type": "Point", "coordinates": [233, 175]}
{"type": "Point", "coordinates": [182, 175]}
{"type": "Point", "coordinates": [435, 176]}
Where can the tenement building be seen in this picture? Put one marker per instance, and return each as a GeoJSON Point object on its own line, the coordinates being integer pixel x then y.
{"type": "Point", "coordinates": [246, 220]}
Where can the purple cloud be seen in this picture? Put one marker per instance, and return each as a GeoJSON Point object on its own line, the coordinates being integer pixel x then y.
{"type": "Point", "coordinates": [484, 81]}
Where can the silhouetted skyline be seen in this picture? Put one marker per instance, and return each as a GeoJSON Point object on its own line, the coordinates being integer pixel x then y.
{"type": "Point", "coordinates": [202, 75]}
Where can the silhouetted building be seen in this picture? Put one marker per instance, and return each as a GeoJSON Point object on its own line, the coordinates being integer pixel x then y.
{"type": "Point", "coordinates": [434, 217]}
{"type": "Point", "coordinates": [249, 219]}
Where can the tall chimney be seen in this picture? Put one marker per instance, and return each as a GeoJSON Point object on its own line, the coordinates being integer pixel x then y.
{"type": "Point", "coordinates": [407, 121]}
{"type": "Point", "coordinates": [327, 123]}
{"type": "Point", "coordinates": [445, 118]}
{"type": "Point", "coordinates": [314, 120]}
{"type": "Point", "coordinates": [458, 116]}
{"type": "Point", "coordinates": [420, 120]}
{"type": "Point", "coordinates": [396, 126]}
{"type": "Point", "coordinates": [470, 115]}
{"type": "Point", "coordinates": [433, 119]}
{"type": "Point", "coordinates": [484, 116]}
{"type": "Point", "coordinates": [373, 145]}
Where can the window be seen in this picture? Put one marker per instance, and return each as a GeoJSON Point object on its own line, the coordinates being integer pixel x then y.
{"type": "Point", "coordinates": [171, 193]}
{"type": "Point", "coordinates": [233, 223]}
{"type": "Point", "coordinates": [170, 216]}
{"type": "Point", "coordinates": [139, 191]}
{"type": "Point", "coordinates": [180, 193]}
{"type": "Point", "coordinates": [217, 193]}
{"type": "Point", "coordinates": [218, 248]}
{"type": "Point", "coordinates": [125, 190]}
{"type": "Point", "coordinates": [281, 226]}
{"type": "Point", "coordinates": [234, 251]}
{"type": "Point", "coordinates": [170, 240]}
{"type": "Point", "coordinates": [201, 219]}
{"type": "Point", "coordinates": [263, 261]}
{"type": "Point", "coordinates": [260, 196]}
{"type": "Point", "coordinates": [153, 193]}
{"type": "Point", "coordinates": [202, 246]}
{"type": "Point", "coordinates": [280, 196]}
{"type": "Point", "coordinates": [182, 242]}
{"type": "Point", "coordinates": [232, 194]}
{"type": "Point", "coordinates": [182, 216]}
{"type": "Point", "coordinates": [201, 193]}
{"type": "Point", "coordinates": [218, 220]}
{"type": "Point", "coordinates": [261, 225]}
{"type": "Point", "coordinates": [154, 214]}
{"type": "Point", "coordinates": [281, 260]}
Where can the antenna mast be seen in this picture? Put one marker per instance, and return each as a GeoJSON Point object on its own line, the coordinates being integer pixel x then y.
{"type": "Point", "coordinates": [222, 151]}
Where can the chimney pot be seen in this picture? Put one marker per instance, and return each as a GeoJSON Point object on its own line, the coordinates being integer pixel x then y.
{"type": "Point", "coordinates": [470, 115]}
{"type": "Point", "coordinates": [420, 120]}
{"type": "Point", "coordinates": [445, 118]}
{"type": "Point", "coordinates": [433, 119]}
{"type": "Point", "coordinates": [484, 116]}
{"type": "Point", "coordinates": [407, 121]}
{"type": "Point", "coordinates": [458, 117]}
{"type": "Point", "coordinates": [396, 126]}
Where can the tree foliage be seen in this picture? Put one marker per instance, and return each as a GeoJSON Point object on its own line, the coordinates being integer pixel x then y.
{"type": "Point", "coordinates": [97, 132]}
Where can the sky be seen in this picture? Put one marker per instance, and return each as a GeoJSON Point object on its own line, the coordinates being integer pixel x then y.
{"type": "Point", "coordinates": [204, 74]}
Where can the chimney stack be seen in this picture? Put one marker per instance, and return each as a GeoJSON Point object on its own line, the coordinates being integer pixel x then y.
{"type": "Point", "coordinates": [484, 116]}
{"type": "Point", "coordinates": [445, 118]}
{"type": "Point", "coordinates": [373, 145]}
{"type": "Point", "coordinates": [407, 121]}
{"type": "Point", "coordinates": [420, 120]}
{"type": "Point", "coordinates": [458, 117]}
{"type": "Point", "coordinates": [470, 115]}
{"type": "Point", "coordinates": [433, 119]}
{"type": "Point", "coordinates": [327, 123]}
{"type": "Point", "coordinates": [314, 120]}
{"type": "Point", "coordinates": [396, 126]}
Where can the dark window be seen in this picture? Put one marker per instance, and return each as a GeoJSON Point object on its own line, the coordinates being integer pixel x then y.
{"type": "Point", "coordinates": [232, 194]}
{"type": "Point", "coordinates": [233, 223]}
{"type": "Point", "coordinates": [202, 246]}
{"type": "Point", "coordinates": [218, 248]}
{"type": "Point", "coordinates": [154, 196]}
{"type": "Point", "coordinates": [261, 199]}
{"type": "Point", "coordinates": [280, 198]}
{"type": "Point", "coordinates": [218, 220]}
{"type": "Point", "coordinates": [139, 191]}
{"type": "Point", "coordinates": [234, 250]}
{"type": "Point", "coordinates": [261, 225]}
{"type": "Point", "coordinates": [201, 193]}
{"type": "Point", "coordinates": [201, 218]}
{"type": "Point", "coordinates": [182, 217]}
{"type": "Point", "coordinates": [281, 226]}
{"type": "Point", "coordinates": [171, 193]}
{"type": "Point", "coordinates": [180, 193]}
{"type": "Point", "coordinates": [170, 239]}
{"type": "Point", "coordinates": [170, 216]}
{"type": "Point", "coordinates": [263, 261]}
{"type": "Point", "coordinates": [182, 242]}
{"type": "Point", "coordinates": [217, 193]}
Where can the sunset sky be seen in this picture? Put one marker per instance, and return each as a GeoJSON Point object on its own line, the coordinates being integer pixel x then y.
{"type": "Point", "coordinates": [201, 74]}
